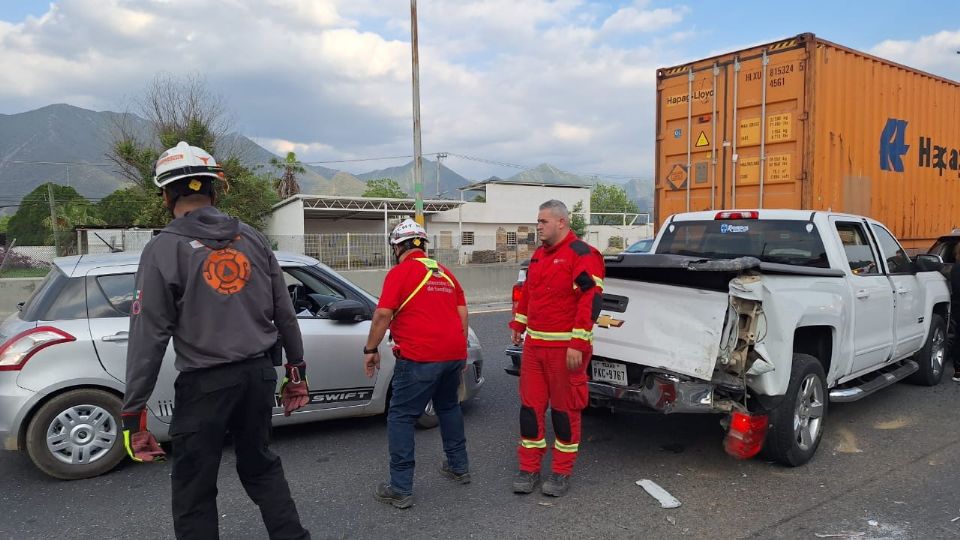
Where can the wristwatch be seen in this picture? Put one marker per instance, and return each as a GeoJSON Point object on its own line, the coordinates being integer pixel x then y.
{"type": "Point", "coordinates": [370, 351]}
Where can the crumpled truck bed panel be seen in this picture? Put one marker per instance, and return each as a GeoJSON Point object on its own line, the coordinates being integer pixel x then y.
{"type": "Point", "coordinates": [677, 329]}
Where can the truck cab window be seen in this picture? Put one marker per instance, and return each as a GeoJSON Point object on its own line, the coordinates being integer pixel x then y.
{"type": "Point", "coordinates": [897, 260]}
{"type": "Point", "coordinates": [857, 247]}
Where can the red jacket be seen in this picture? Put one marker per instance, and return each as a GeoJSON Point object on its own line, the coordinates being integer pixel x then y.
{"type": "Point", "coordinates": [561, 295]}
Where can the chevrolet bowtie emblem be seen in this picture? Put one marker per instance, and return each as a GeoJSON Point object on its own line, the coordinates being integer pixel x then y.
{"type": "Point", "coordinates": [606, 321]}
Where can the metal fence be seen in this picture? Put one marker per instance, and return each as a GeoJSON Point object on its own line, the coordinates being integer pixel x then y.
{"type": "Point", "coordinates": [357, 251]}
{"type": "Point", "coordinates": [25, 261]}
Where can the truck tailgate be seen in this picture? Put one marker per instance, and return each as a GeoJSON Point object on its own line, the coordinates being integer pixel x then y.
{"type": "Point", "coordinates": [677, 329]}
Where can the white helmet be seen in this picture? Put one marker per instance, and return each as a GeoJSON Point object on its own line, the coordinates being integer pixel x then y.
{"type": "Point", "coordinates": [184, 161]}
{"type": "Point", "coordinates": [408, 229]}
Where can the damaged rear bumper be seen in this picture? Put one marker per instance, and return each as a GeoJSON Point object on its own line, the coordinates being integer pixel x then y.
{"type": "Point", "coordinates": [660, 392]}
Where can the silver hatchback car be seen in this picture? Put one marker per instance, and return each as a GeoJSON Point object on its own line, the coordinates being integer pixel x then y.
{"type": "Point", "coordinates": [63, 358]}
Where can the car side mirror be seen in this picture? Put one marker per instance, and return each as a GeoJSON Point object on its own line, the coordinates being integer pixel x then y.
{"type": "Point", "coordinates": [928, 263]}
{"type": "Point", "coordinates": [348, 311]}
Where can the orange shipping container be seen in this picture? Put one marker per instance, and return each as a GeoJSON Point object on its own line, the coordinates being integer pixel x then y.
{"type": "Point", "coordinates": [805, 123]}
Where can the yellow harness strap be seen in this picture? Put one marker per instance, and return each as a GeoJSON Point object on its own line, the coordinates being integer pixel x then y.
{"type": "Point", "coordinates": [432, 269]}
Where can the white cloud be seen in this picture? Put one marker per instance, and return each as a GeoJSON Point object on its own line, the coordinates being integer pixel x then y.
{"type": "Point", "coordinates": [637, 19]}
{"type": "Point", "coordinates": [936, 53]}
{"type": "Point", "coordinates": [572, 133]}
{"type": "Point", "coordinates": [281, 146]}
{"type": "Point", "coordinates": [521, 81]}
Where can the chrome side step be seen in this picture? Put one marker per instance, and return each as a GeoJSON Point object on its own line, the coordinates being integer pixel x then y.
{"type": "Point", "coordinates": [882, 380]}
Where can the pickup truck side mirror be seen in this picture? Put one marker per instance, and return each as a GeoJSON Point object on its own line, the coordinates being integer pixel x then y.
{"type": "Point", "coordinates": [927, 263]}
{"type": "Point", "coordinates": [348, 311]}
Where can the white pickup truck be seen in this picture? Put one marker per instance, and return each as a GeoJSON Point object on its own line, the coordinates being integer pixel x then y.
{"type": "Point", "coordinates": [767, 316]}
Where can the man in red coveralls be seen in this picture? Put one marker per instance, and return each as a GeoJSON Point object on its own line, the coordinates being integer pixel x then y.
{"type": "Point", "coordinates": [560, 302]}
{"type": "Point", "coordinates": [423, 305]}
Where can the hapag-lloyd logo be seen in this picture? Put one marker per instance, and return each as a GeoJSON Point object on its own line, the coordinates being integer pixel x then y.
{"type": "Point", "coordinates": [893, 148]}
{"type": "Point", "coordinates": [702, 96]}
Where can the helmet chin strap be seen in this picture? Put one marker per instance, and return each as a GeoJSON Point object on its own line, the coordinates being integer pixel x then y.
{"type": "Point", "coordinates": [406, 246]}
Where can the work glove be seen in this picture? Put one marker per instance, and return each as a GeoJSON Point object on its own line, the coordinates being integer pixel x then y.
{"type": "Point", "coordinates": [294, 392]}
{"type": "Point", "coordinates": [141, 445]}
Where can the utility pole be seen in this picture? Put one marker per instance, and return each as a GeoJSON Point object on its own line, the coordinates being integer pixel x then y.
{"type": "Point", "coordinates": [417, 158]}
{"type": "Point", "coordinates": [53, 218]}
{"type": "Point", "coordinates": [440, 155]}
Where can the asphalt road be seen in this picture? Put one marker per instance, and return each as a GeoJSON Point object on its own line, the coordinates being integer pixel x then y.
{"type": "Point", "coordinates": [888, 467]}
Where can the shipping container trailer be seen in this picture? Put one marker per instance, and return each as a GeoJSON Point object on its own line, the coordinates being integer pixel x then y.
{"type": "Point", "coordinates": [804, 123]}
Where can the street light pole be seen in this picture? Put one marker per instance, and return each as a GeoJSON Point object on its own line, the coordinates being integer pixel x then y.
{"type": "Point", "coordinates": [417, 158]}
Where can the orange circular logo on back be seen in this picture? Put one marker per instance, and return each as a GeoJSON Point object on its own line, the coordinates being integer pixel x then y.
{"type": "Point", "coordinates": [226, 270]}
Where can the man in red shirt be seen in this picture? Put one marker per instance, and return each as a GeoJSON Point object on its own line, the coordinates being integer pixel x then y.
{"type": "Point", "coordinates": [561, 300]}
{"type": "Point", "coordinates": [423, 305]}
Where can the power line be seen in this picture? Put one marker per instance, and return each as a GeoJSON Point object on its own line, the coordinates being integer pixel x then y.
{"type": "Point", "coordinates": [364, 159]}
{"type": "Point", "coordinates": [28, 162]}
{"type": "Point", "coordinates": [527, 167]}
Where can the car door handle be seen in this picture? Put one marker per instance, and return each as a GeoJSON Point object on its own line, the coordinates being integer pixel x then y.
{"type": "Point", "coordinates": [901, 290]}
{"type": "Point", "coordinates": [863, 293]}
{"type": "Point", "coordinates": [119, 336]}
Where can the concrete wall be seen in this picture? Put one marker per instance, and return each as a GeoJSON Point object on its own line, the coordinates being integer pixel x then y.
{"type": "Point", "coordinates": [15, 290]}
{"type": "Point", "coordinates": [483, 284]}
{"type": "Point", "coordinates": [339, 226]}
{"type": "Point", "coordinates": [599, 235]}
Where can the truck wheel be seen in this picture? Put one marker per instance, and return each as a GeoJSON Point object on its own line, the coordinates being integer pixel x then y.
{"type": "Point", "coordinates": [931, 357]}
{"type": "Point", "coordinates": [76, 435]}
{"type": "Point", "coordinates": [796, 425]}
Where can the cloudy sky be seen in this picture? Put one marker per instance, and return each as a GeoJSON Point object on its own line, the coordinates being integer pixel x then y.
{"type": "Point", "coordinates": [568, 82]}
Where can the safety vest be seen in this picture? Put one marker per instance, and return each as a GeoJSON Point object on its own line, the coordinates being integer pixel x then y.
{"type": "Point", "coordinates": [432, 269]}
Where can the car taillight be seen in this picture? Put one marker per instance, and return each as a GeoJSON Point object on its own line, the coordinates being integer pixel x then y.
{"type": "Point", "coordinates": [745, 437]}
{"type": "Point", "coordinates": [517, 293]}
{"type": "Point", "coordinates": [745, 214]}
{"type": "Point", "coordinates": [15, 352]}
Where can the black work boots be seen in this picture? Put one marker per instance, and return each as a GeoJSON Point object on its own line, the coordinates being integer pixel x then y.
{"type": "Point", "coordinates": [556, 485]}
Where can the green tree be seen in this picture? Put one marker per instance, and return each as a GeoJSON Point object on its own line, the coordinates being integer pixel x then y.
{"type": "Point", "coordinates": [5, 223]}
{"type": "Point", "coordinates": [384, 187]}
{"type": "Point", "coordinates": [68, 217]}
{"type": "Point", "coordinates": [286, 186]}
{"type": "Point", "coordinates": [30, 225]}
{"type": "Point", "coordinates": [248, 196]}
{"type": "Point", "coordinates": [183, 109]}
{"type": "Point", "coordinates": [178, 109]}
{"type": "Point", "coordinates": [125, 206]}
{"type": "Point", "coordinates": [610, 198]}
{"type": "Point", "coordinates": [577, 222]}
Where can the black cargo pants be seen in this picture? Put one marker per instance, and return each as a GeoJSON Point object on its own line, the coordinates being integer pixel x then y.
{"type": "Point", "coordinates": [236, 399]}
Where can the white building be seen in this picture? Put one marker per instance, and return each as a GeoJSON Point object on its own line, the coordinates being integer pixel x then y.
{"type": "Point", "coordinates": [504, 225]}
{"type": "Point", "coordinates": [349, 232]}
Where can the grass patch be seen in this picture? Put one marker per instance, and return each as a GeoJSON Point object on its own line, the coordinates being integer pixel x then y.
{"type": "Point", "coordinates": [24, 272]}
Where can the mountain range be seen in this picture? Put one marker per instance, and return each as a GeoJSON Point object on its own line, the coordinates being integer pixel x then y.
{"type": "Point", "coordinates": [69, 145]}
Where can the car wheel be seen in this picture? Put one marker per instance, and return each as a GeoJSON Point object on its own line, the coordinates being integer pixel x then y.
{"type": "Point", "coordinates": [76, 435]}
{"type": "Point", "coordinates": [932, 356]}
{"type": "Point", "coordinates": [429, 418]}
{"type": "Point", "coordinates": [796, 425]}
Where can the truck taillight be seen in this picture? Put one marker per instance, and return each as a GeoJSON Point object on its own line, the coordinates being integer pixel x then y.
{"type": "Point", "coordinates": [517, 293]}
{"type": "Point", "coordinates": [744, 214]}
{"type": "Point", "coordinates": [745, 437]}
{"type": "Point", "coordinates": [15, 352]}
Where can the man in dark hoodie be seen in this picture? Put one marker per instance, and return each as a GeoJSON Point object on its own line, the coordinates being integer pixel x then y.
{"type": "Point", "coordinates": [214, 285]}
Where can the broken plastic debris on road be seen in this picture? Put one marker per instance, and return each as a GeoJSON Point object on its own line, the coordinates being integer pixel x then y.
{"type": "Point", "coordinates": [663, 496]}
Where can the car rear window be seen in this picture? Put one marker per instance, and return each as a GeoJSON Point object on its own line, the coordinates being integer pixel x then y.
{"type": "Point", "coordinates": [110, 295]}
{"type": "Point", "coordinates": [57, 298]}
{"type": "Point", "coordinates": [774, 241]}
